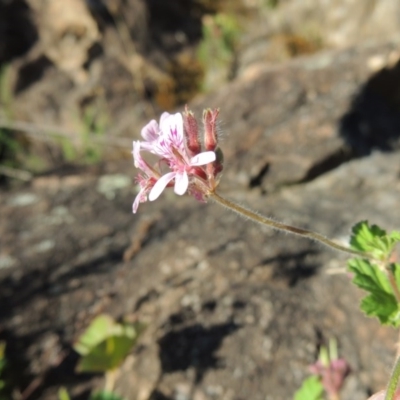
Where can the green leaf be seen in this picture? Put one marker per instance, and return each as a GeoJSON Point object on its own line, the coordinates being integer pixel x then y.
{"type": "Point", "coordinates": [3, 361]}
{"type": "Point", "coordinates": [99, 329]}
{"type": "Point", "coordinates": [107, 355]}
{"type": "Point", "coordinates": [105, 396]}
{"type": "Point", "coordinates": [311, 389]}
{"type": "Point", "coordinates": [380, 302]}
{"type": "Point", "coordinates": [395, 236]}
{"type": "Point", "coordinates": [105, 344]}
{"type": "Point", "coordinates": [367, 238]}
{"type": "Point", "coordinates": [63, 394]}
{"type": "Point", "coordinates": [372, 239]}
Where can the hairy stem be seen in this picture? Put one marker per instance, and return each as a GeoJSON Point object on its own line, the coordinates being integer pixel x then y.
{"type": "Point", "coordinates": [245, 212]}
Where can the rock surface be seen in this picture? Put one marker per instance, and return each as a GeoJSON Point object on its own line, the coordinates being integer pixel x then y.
{"type": "Point", "coordinates": [234, 311]}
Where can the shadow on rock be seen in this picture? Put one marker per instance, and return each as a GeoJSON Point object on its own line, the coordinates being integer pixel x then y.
{"type": "Point", "coordinates": [373, 121]}
{"type": "Point", "coordinates": [193, 346]}
{"type": "Point", "coordinates": [293, 267]}
{"type": "Point", "coordinates": [17, 31]}
{"type": "Point", "coordinates": [51, 281]}
{"type": "Point", "coordinates": [59, 358]}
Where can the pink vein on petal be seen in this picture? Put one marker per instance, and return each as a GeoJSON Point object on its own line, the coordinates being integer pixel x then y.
{"type": "Point", "coordinates": [151, 131]}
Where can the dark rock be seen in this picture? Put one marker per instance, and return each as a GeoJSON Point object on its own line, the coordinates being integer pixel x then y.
{"type": "Point", "coordinates": [234, 310]}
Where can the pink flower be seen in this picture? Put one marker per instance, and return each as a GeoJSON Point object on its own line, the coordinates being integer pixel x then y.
{"type": "Point", "coordinates": [168, 141]}
{"type": "Point", "coordinates": [146, 181]}
{"type": "Point", "coordinates": [332, 375]}
{"type": "Point", "coordinates": [331, 369]}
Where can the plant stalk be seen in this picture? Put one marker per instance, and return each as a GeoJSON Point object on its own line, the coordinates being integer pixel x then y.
{"type": "Point", "coordinates": [245, 212]}
{"type": "Point", "coordinates": [393, 284]}
{"type": "Point", "coordinates": [393, 382]}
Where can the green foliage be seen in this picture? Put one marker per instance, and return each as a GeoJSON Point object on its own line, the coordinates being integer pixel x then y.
{"type": "Point", "coordinates": [69, 151]}
{"type": "Point", "coordinates": [373, 240]}
{"type": "Point", "coordinates": [3, 365]}
{"type": "Point", "coordinates": [104, 395]}
{"type": "Point", "coordinates": [217, 48]}
{"type": "Point", "coordinates": [63, 394]}
{"type": "Point", "coordinates": [9, 145]}
{"type": "Point", "coordinates": [6, 96]}
{"type": "Point", "coordinates": [105, 344]}
{"type": "Point", "coordinates": [86, 147]}
{"type": "Point", "coordinates": [311, 389]}
{"type": "Point", "coordinates": [373, 277]}
{"type": "Point", "coordinates": [380, 302]}
{"type": "Point", "coordinates": [271, 3]}
{"type": "Point", "coordinates": [94, 123]}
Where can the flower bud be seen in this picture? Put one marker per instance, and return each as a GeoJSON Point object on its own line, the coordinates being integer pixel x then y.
{"type": "Point", "coordinates": [210, 129]}
{"type": "Point", "coordinates": [191, 132]}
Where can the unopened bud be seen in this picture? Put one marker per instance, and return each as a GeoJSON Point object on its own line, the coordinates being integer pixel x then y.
{"type": "Point", "coordinates": [210, 129]}
{"type": "Point", "coordinates": [191, 132]}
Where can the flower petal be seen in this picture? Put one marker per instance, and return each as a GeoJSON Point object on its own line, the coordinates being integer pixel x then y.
{"type": "Point", "coordinates": [160, 185]}
{"type": "Point", "coordinates": [181, 183]}
{"type": "Point", "coordinates": [172, 130]}
{"type": "Point", "coordinates": [203, 158]}
{"type": "Point", "coordinates": [151, 131]}
{"type": "Point", "coordinates": [164, 116]}
{"type": "Point", "coordinates": [136, 203]}
{"type": "Point", "coordinates": [137, 158]}
{"type": "Point", "coordinates": [140, 162]}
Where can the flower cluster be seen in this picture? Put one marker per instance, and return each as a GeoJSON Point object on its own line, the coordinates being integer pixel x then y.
{"type": "Point", "coordinates": [180, 161]}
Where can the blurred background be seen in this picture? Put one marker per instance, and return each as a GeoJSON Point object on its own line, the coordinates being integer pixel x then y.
{"type": "Point", "coordinates": [77, 76]}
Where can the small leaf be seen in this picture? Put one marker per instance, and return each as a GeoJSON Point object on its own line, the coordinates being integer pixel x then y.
{"type": "Point", "coordinates": [372, 239]}
{"type": "Point", "coordinates": [368, 238]}
{"type": "Point", "coordinates": [107, 355]}
{"type": "Point", "coordinates": [380, 302]}
{"type": "Point", "coordinates": [395, 236]}
{"type": "Point", "coordinates": [63, 394]}
{"type": "Point", "coordinates": [105, 396]}
{"type": "Point", "coordinates": [97, 331]}
{"type": "Point", "coordinates": [105, 344]}
{"type": "Point", "coordinates": [311, 389]}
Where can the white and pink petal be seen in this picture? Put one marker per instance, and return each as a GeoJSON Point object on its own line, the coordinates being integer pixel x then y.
{"type": "Point", "coordinates": [151, 131]}
{"type": "Point", "coordinates": [203, 158]}
{"type": "Point", "coordinates": [160, 185]}
{"type": "Point", "coordinates": [172, 130]}
{"type": "Point", "coordinates": [181, 183]}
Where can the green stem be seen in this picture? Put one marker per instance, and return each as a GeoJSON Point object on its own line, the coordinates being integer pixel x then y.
{"type": "Point", "coordinates": [393, 283]}
{"type": "Point", "coordinates": [245, 212]}
{"type": "Point", "coordinates": [394, 380]}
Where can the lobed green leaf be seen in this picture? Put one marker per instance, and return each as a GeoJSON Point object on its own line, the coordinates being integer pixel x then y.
{"type": "Point", "coordinates": [380, 302]}
{"type": "Point", "coordinates": [372, 239]}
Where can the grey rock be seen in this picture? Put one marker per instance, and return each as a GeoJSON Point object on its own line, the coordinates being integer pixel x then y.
{"type": "Point", "coordinates": [229, 305]}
